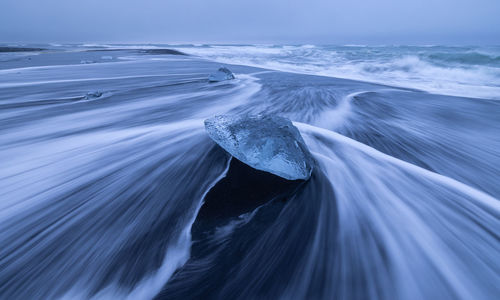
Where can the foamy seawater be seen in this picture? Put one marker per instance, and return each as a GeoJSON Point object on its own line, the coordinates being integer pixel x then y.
{"type": "Point", "coordinates": [457, 71]}
{"type": "Point", "coordinates": [111, 188]}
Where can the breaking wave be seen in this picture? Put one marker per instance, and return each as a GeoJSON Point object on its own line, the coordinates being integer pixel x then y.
{"type": "Point", "coordinates": [458, 71]}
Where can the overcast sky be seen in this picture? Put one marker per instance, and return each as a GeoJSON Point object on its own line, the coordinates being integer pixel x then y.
{"type": "Point", "coordinates": [252, 21]}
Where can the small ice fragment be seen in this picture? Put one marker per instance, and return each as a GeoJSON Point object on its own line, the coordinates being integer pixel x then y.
{"type": "Point", "coordinates": [106, 57]}
{"type": "Point", "coordinates": [221, 75]}
{"type": "Point", "coordinates": [87, 62]}
{"type": "Point", "coordinates": [93, 95]}
{"type": "Point", "coordinates": [267, 143]}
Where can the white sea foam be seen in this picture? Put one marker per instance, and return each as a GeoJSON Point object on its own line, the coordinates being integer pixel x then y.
{"type": "Point", "coordinates": [410, 67]}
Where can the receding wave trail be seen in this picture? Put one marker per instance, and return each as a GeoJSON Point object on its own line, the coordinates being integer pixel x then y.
{"type": "Point", "coordinates": [98, 196]}
{"type": "Point", "coordinates": [404, 222]}
{"type": "Point", "coordinates": [78, 179]}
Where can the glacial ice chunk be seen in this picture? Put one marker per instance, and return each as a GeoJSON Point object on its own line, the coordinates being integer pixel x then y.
{"type": "Point", "coordinates": [93, 95]}
{"type": "Point", "coordinates": [222, 74]}
{"type": "Point", "coordinates": [267, 143]}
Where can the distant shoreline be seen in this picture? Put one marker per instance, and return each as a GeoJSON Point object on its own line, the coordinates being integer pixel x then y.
{"type": "Point", "coordinates": [20, 49]}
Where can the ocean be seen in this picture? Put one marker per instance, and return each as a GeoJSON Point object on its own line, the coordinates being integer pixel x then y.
{"type": "Point", "coordinates": [450, 70]}
{"type": "Point", "coordinates": [106, 167]}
